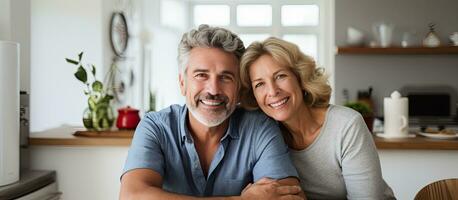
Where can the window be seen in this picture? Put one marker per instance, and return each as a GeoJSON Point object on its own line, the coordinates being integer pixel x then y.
{"type": "Point", "coordinates": [254, 15]}
{"type": "Point", "coordinates": [249, 38]}
{"type": "Point", "coordinates": [217, 15]}
{"type": "Point", "coordinates": [299, 15]}
{"type": "Point", "coordinates": [297, 21]}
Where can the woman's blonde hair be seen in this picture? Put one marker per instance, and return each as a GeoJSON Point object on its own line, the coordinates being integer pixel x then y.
{"type": "Point", "coordinates": [313, 80]}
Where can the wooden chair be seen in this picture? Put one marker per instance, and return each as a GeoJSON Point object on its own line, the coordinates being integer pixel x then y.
{"type": "Point", "coordinates": [446, 189]}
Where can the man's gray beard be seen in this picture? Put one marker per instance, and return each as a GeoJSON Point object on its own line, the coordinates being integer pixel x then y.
{"type": "Point", "coordinates": [212, 122]}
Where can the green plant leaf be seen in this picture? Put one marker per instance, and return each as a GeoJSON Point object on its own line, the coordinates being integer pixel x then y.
{"type": "Point", "coordinates": [93, 70]}
{"type": "Point", "coordinates": [81, 74]}
{"type": "Point", "coordinates": [106, 99]}
{"type": "Point", "coordinates": [362, 108]}
{"type": "Point", "coordinates": [80, 56]}
{"type": "Point", "coordinates": [71, 61]}
{"type": "Point", "coordinates": [97, 86]}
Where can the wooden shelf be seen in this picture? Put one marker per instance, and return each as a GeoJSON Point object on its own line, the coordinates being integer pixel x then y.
{"type": "Point", "coordinates": [398, 50]}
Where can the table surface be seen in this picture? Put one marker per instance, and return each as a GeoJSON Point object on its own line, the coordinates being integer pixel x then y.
{"type": "Point", "coordinates": [29, 181]}
{"type": "Point", "coordinates": [64, 136]}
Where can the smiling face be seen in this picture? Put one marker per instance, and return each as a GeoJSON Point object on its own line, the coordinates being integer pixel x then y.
{"type": "Point", "coordinates": [210, 85]}
{"type": "Point", "coordinates": [276, 88]}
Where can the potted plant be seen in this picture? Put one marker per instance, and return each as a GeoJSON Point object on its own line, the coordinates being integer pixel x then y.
{"type": "Point", "coordinates": [99, 114]}
{"type": "Point", "coordinates": [364, 110]}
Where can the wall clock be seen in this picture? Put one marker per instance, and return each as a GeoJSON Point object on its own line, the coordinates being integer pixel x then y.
{"type": "Point", "coordinates": [119, 35]}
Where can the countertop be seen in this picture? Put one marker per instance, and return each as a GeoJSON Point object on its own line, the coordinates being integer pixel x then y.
{"type": "Point", "coordinates": [29, 182]}
{"type": "Point", "coordinates": [63, 136]}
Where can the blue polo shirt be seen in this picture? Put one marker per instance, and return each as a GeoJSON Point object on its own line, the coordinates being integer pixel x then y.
{"type": "Point", "coordinates": [252, 148]}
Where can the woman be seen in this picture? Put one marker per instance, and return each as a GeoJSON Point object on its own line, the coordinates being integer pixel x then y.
{"type": "Point", "coordinates": [330, 145]}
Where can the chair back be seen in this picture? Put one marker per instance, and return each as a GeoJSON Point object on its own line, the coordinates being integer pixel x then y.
{"type": "Point", "coordinates": [446, 189]}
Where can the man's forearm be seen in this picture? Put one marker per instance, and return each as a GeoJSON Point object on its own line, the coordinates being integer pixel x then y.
{"type": "Point", "coordinates": [155, 193]}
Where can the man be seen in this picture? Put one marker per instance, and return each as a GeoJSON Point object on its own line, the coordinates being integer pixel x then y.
{"type": "Point", "coordinates": [208, 147]}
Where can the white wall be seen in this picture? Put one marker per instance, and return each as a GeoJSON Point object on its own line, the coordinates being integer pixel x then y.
{"type": "Point", "coordinates": [407, 171]}
{"type": "Point", "coordinates": [163, 51]}
{"type": "Point", "coordinates": [20, 32]}
{"type": "Point", "coordinates": [61, 29]}
{"type": "Point", "coordinates": [389, 72]}
{"type": "Point", "coordinates": [5, 20]}
{"type": "Point", "coordinates": [82, 172]}
{"type": "Point", "coordinates": [164, 73]}
{"type": "Point", "coordinates": [15, 26]}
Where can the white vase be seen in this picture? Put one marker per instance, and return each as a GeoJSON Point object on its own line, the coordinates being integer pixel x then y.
{"type": "Point", "coordinates": [9, 115]}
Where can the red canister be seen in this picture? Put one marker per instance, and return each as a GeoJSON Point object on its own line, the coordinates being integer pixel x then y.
{"type": "Point", "coordinates": [128, 118]}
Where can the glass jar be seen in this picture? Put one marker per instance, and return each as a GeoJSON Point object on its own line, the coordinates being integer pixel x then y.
{"type": "Point", "coordinates": [99, 118]}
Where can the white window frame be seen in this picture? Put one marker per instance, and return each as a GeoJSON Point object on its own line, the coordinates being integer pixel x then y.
{"type": "Point", "coordinates": [324, 31]}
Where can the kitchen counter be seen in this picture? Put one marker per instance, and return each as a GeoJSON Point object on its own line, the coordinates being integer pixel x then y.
{"type": "Point", "coordinates": [407, 164]}
{"type": "Point", "coordinates": [418, 142]}
{"type": "Point", "coordinates": [30, 181]}
{"type": "Point", "coordinates": [64, 136]}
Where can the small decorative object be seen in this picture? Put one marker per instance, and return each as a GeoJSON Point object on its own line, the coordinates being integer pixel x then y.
{"type": "Point", "coordinates": [99, 114]}
{"type": "Point", "coordinates": [454, 38]}
{"type": "Point", "coordinates": [128, 118]}
{"type": "Point", "coordinates": [383, 33]}
{"type": "Point", "coordinates": [119, 34]}
{"type": "Point", "coordinates": [396, 115]}
{"type": "Point", "coordinates": [431, 39]}
{"type": "Point", "coordinates": [355, 37]}
{"type": "Point", "coordinates": [409, 39]}
{"type": "Point", "coordinates": [365, 96]}
{"type": "Point", "coordinates": [364, 110]}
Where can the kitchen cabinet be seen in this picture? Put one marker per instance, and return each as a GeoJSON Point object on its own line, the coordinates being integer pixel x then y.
{"type": "Point", "coordinates": [398, 50]}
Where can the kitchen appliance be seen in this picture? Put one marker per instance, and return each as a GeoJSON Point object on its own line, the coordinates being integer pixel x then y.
{"type": "Point", "coordinates": [431, 105]}
{"type": "Point", "coordinates": [9, 112]}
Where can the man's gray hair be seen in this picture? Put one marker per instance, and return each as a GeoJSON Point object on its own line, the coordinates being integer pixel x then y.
{"type": "Point", "coordinates": [210, 37]}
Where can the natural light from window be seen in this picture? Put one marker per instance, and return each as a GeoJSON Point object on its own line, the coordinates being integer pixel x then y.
{"type": "Point", "coordinates": [299, 15]}
{"type": "Point", "coordinates": [307, 43]}
{"type": "Point", "coordinates": [173, 19]}
{"type": "Point", "coordinates": [249, 38]}
{"type": "Point", "coordinates": [217, 15]}
{"type": "Point", "coordinates": [254, 15]}
{"type": "Point", "coordinates": [297, 21]}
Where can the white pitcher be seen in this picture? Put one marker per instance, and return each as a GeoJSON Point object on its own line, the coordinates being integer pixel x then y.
{"type": "Point", "coordinates": [396, 113]}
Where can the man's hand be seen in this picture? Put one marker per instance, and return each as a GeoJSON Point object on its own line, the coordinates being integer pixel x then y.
{"type": "Point", "coordinates": [271, 189]}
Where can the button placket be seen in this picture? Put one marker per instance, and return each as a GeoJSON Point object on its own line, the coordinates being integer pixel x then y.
{"type": "Point", "coordinates": [197, 173]}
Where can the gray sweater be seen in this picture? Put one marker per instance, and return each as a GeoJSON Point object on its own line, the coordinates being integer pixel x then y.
{"type": "Point", "coordinates": [342, 162]}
